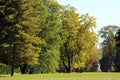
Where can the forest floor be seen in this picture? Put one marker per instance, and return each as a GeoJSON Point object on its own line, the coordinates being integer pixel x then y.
{"type": "Point", "coordinates": [64, 76]}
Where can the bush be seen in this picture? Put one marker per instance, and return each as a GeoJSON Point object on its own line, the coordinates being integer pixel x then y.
{"type": "Point", "coordinates": [48, 62]}
{"type": "Point", "coordinates": [4, 69]}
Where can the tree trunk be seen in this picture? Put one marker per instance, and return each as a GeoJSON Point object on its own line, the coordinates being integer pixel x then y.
{"type": "Point", "coordinates": [66, 67]}
{"type": "Point", "coordinates": [69, 64]}
{"type": "Point", "coordinates": [12, 69]}
{"type": "Point", "coordinates": [31, 71]}
{"type": "Point", "coordinates": [24, 68]}
{"type": "Point", "coordinates": [13, 60]}
{"type": "Point", "coordinates": [68, 59]}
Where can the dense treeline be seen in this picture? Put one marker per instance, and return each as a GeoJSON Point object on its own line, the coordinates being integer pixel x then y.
{"type": "Point", "coordinates": [42, 36]}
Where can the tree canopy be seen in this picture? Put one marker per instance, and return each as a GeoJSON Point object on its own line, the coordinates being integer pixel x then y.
{"type": "Point", "coordinates": [19, 39]}
{"type": "Point", "coordinates": [42, 36]}
{"type": "Point", "coordinates": [80, 38]}
{"type": "Point", "coordinates": [108, 47]}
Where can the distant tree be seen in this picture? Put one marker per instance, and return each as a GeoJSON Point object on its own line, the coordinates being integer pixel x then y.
{"type": "Point", "coordinates": [117, 57]}
{"type": "Point", "coordinates": [108, 47]}
{"type": "Point", "coordinates": [18, 29]}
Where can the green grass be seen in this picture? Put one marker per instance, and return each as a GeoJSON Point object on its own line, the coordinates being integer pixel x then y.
{"type": "Point", "coordinates": [63, 76]}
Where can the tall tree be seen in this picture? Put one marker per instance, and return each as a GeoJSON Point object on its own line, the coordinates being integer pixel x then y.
{"type": "Point", "coordinates": [52, 34]}
{"type": "Point", "coordinates": [80, 38]}
{"type": "Point", "coordinates": [108, 47]}
{"type": "Point", "coordinates": [19, 26]}
{"type": "Point", "coordinates": [70, 22]}
{"type": "Point", "coordinates": [117, 57]}
{"type": "Point", "coordinates": [88, 39]}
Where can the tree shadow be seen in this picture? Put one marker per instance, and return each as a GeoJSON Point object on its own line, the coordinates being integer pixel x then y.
{"type": "Point", "coordinates": [3, 76]}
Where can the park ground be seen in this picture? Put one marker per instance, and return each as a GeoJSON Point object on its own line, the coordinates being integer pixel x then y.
{"type": "Point", "coordinates": [64, 76]}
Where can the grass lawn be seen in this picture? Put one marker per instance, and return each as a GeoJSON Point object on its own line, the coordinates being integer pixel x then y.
{"type": "Point", "coordinates": [63, 76]}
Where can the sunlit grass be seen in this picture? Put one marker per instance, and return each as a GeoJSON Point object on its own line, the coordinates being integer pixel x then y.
{"type": "Point", "coordinates": [63, 76]}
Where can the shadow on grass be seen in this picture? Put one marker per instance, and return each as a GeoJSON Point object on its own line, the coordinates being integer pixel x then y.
{"type": "Point", "coordinates": [3, 76]}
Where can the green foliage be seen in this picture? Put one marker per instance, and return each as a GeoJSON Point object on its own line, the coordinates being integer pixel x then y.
{"type": "Point", "coordinates": [117, 56]}
{"type": "Point", "coordinates": [20, 28]}
{"type": "Point", "coordinates": [52, 34]}
{"type": "Point", "coordinates": [87, 39]}
{"type": "Point", "coordinates": [108, 47]}
{"type": "Point", "coordinates": [66, 36]}
{"type": "Point", "coordinates": [91, 63]}
{"type": "Point", "coordinates": [4, 69]}
{"type": "Point", "coordinates": [48, 62]}
{"type": "Point", "coordinates": [80, 39]}
{"type": "Point", "coordinates": [70, 23]}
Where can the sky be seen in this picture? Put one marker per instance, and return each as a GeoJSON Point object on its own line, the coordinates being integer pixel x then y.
{"type": "Point", "coordinates": [106, 12]}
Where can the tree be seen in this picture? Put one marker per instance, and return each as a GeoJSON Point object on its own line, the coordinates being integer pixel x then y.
{"type": "Point", "coordinates": [70, 22]}
{"type": "Point", "coordinates": [108, 47]}
{"type": "Point", "coordinates": [80, 38]}
{"type": "Point", "coordinates": [117, 56]}
{"type": "Point", "coordinates": [88, 41]}
{"type": "Point", "coordinates": [19, 27]}
{"type": "Point", "coordinates": [52, 34]}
